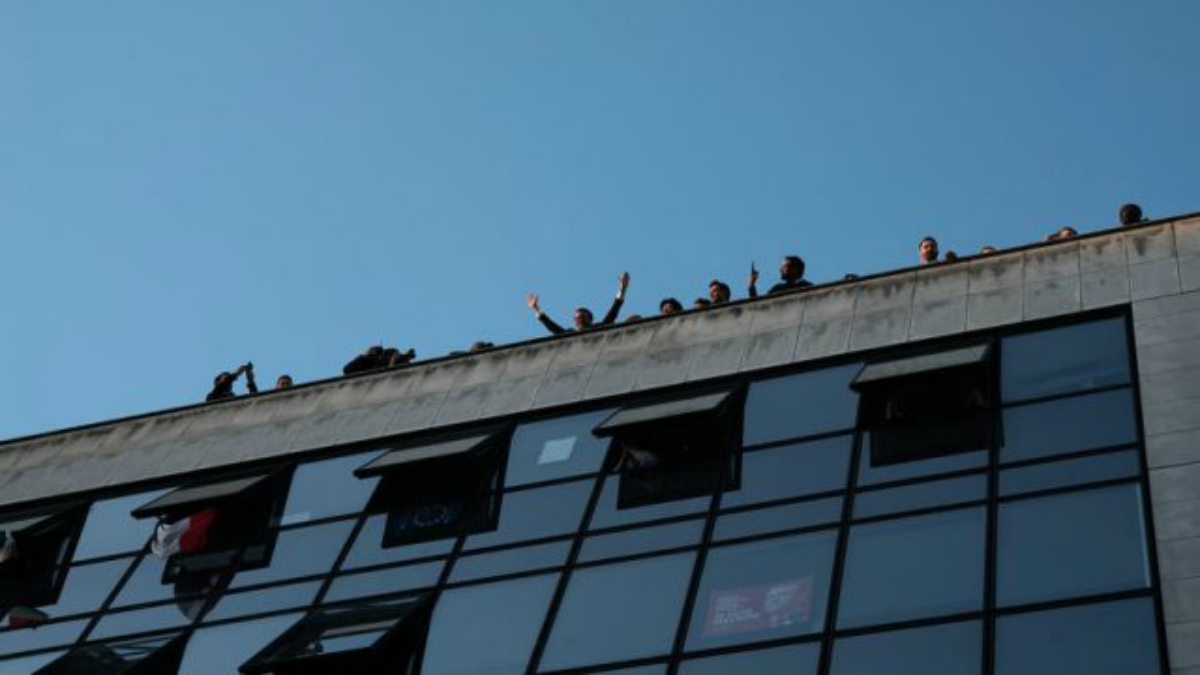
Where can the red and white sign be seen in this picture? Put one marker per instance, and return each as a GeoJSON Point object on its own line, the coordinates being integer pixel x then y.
{"type": "Point", "coordinates": [756, 608]}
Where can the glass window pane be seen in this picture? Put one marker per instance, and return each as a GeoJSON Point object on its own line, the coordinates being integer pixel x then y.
{"type": "Point", "coordinates": [801, 405]}
{"type": "Point", "coordinates": [300, 552]}
{"type": "Point", "coordinates": [920, 496]}
{"type": "Point", "coordinates": [463, 632]}
{"type": "Point", "coordinates": [556, 448]}
{"type": "Point", "coordinates": [510, 561]}
{"type": "Point", "coordinates": [1071, 544]}
{"type": "Point", "coordinates": [619, 612]}
{"type": "Point", "coordinates": [146, 584]}
{"type": "Point", "coordinates": [328, 488]}
{"type": "Point", "coordinates": [656, 669]}
{"type": "Point", "coordinates": [110, 529]}
{"type": "Point", "coordinates": [763, 590]}
{"type": "Point", "coordinates": [274, 598]}
{"type": "Point", "coordinates": [27, 664]}
{"type": "Point", "coordinates": [953, 649]}
{"type": "Point", "coordinates": [1069, 425]}
{"type": "Point", "coordinates": [368, 547]}
{"type": "Point", "coordinates": [532, 514]}
{"type": "Point", "coordinates": [792, 471]}
{"type": "Point", "coordinates": [776, 518]}
{"type": "Point", "coordinates": [642, 540]}
{"type": "Point", "coordinates": [86, 587]}
{"type": "Point", "coordinates": [911, 568]}
{"type": "Point", "coordinates": [379, 582]}
{"type": "Point", "coordinates": [886, 473]}
{"type": "Point", "coordinates": [221, 649]}
{"type": "Point", "coordinates": [789, 660]}
{"type": "Point", "coordinates": [1063, 360]}
{"type": "Point", "coordinates": [1115, 638]}
{"type": "Point", "coordinates": [45, 635]}
{"type": "Point", "coordinates": [1070, 472]}
{"type": "Point", "coordinates": [608, 515]}
{"type": "Point", "coordinates": [151, 618]}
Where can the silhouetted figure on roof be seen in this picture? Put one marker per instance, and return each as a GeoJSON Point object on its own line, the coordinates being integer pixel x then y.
{"type": "Point", "coordinates": [223, 383]}
{"type": "Point", "coordinates": [583, 315]}
{"type": "Point", "coordinates": [481, 345]}
{"type": "Point", "coordinates": [927, 251]}
{"type": "Point", "coordinates": [1064, 232]}
{"type": "Point", "coordinates": [377, 357]}
{"type": "Point", "coordinates": [1131, 214]}
{"type": "Point", "coordinates": [718, 292]}
{"type": "Point", "coordinates": [950, 256]}
{"type": "Point", "coordinates": [791, 275]}
{"type": "Point", "coordinates": [284, 382]}
{"type": "Point", "coordinates": [669, 306]}
{"type": "Point", "coordinates": [988, 249]}
{"type": "Point", "coordinates": [701, 303]}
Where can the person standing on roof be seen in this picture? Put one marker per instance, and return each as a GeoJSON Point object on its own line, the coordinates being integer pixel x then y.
{"type": "Point", "coordinates": [583, 315]}
{"type": "Point", "coordinates": [791, 275]}
{"type": "Point", "coordinates": [223, 383]}
{"type": "Point", "coordinates": [1131, 214]}
{"type": "Point", "coordinates": [927, 251]}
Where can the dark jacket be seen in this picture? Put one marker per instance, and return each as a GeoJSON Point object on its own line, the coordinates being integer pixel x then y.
{"type": "Point", "coordinates": [782, 286]}
{"type": "Point", "coordinates": [610, 317]}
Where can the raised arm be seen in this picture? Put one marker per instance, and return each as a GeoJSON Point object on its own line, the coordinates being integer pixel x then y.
{"type": "Point", "coordinates": [622, 285]}
{"type": "Point", "coordinates": [753, 281]}
{"type": "Point", "coordinates": [552, 326]}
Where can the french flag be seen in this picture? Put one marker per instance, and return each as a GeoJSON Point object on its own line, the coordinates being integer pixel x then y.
{"type": "Point", "coordinates": [186, 535]}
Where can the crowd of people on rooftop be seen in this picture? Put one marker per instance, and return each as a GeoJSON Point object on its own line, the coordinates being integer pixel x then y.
{"type": "Point", "coordinates": [791, 277]}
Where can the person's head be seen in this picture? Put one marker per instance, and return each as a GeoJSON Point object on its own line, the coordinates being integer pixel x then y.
{"type": "Point", "coordinates": [1131, 214]}
{"type": "Point", "coordinates": [791, 268]}
{"type": "Point", "coordinates": [718, 291]}
{"type": "Point", "coordinates": [670, 306]}
{"type": "Point", "coordinates": [223, 380]}
{"type": "Point", "coordinates": [1065, 233]}
{"type": "Point", "coordinates": [701, 303]}
{"type": "Point", "coordinates": [927, 250]}
{"type": "Point", "coordinates": [375, 350]}
{"type": "Point", "coordinates": [583, 318]}
{"type": "Point", "coordinates": [987, 250]}
{"type": "Point", "coordinates": [950, 256]}
{"type": "Point", "coordinates": [283, 382]}
{"type": "Point", "coordinates": [481, 345]}
{"type": "Point", "coordinates": [850, 277]}
{"type": "Point", "coordinates": [633, 317]}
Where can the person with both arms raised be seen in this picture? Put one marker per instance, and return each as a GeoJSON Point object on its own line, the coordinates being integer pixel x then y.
{"type": "Point", "coordinates": [583, 315]}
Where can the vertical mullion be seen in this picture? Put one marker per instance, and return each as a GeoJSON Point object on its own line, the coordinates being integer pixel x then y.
{"type": "Point", "coordinates": [991, 540]}
{"type": "Point", "coordinates": [824, 663]}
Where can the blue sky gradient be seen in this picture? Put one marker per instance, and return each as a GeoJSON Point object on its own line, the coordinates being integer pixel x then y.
{"type": "Point", "coordinates": [184, 187]}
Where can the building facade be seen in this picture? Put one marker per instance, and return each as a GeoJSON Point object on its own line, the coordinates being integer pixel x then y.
{"type": "Point", "coordinates": [987, 467]}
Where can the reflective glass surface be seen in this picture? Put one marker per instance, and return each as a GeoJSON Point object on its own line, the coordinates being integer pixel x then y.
{"type": "Point", "coordinates": [789, 660]}
{"type": "Point", "coordinates": [1071, 544]}
{"type": "Point", "coordinates": [233, 605]}
{"type": "Point", "coordinates": [26, 665]}
{"type": "Point", "coordinates": [147, 584]}
{"type": "Point", "coordinates": [869, 474]}
{"type": "Point", "coordinates": [151, 618]}
{"type": "Point", "coordinates": [792, 471]}
{"type": "Point", "coordinates": [1069, 425]}
{"type": "Point", "coordinates": [110, 529]}
{"type": "Point", "coordinates": [328, 488]}
{"type": "Point", "coordinates": [48, 635]}
{"type": "Point", "coordinates": [390, 580]}
{"type": "Point", "coordinates": [1063, 360]}
{"type": "Point", "coordinates": [911, 568]}
{"type": "Point", "coordinates": [556, 448]}
{"type": "Point", "coordinates": [608, 515]}
{"type": "Point", "coordinates": [510, 561]}
{"type": "Point", "coordinates": [801, 405]}
{"type": "Point", "coordinates": [952, 649]}
{"type": "Point", "coordinates": [1069, 472]}
{"type": "Point", "coordinates": [300, 552]}
{"type": "Point", "coordinates": [920, 496]}
{"type": "Point", "coordinates": [763, 590]}
{"type": "Point", "coordinates": [368, 546]}
{"type": "Point", "coordinates": [619, 612]}
{"type": "Point", "coordinates": [463, 633]}
{"type": "Point", "coordinates": [1115, 638]}
{"type": "Point", "coordinates": [541, 512]}
{"type": "Point", "coordinates": [642, 540]}
{"type": "Point", "coordinates": [776, 518]}
{"type": "Point", "coordinates": [221, 649]}
{"type": "Point", "coordinates": [86, 587]}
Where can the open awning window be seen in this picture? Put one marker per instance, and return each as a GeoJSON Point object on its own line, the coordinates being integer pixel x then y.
{"type": "Point", "coordinates": [190, 498]}
{"type": "Point", "coordinates": [674, 449]}
{"type": "Point", "coordinates": [438, 487]}
{"type": "Point", "coordinates": [35, 548]}
{"type": "Point", "coordinates": [159, 655]}
{"type": "Point", "coordinates": [380, 637]}
{"type": "Point", "coordinates": [971, 356]}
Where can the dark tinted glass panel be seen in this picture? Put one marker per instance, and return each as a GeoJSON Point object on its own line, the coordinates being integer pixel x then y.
{"type": "Point", "coordinates": [953, 649]}
{"type": "Point", "coordinates": [368, 546]}
{"type": "Point", "coordinates": [608, 515]}
{"type": "Point", "coordinates": [146, 584]}
{"type": "Point", "coordinates": [47, 635]}
{"type": "Point", "coordinates": [1072, 544]}
{"type": "Point", "coordinates": [463, 634]}
{"type": "Point", "coordinates": [790, 660]}
{"type": "Point", "coordinates": [556, 448]}
{"type": "Point", "coordinates": [328, 488]}
{"type": "Point", "coordinates": [1070, 472]}
{"type": "Point", "coordinates": [151, 618]}
{"type": "Point", "coordinates": [801, 405]}
{"type": "Point", "coordinates": [267, 600]}
{"type": "Point", "coordinates": [920, 496]}
{"type": "Point", "coordinates": [532, 514]}
{"type": "Point", "coordinates": [221, 649]}
{"type": "Point", "coordinates": [390, 580]}
{"type": "Point", "coordinates": [510, 561]}
{"type": "Point", "coordinates": [657, 669]}
{"type": "Point", "coordinates": [641, 540]}
{"type": "Point", "coordinates": [1063, 360]}
{"type": "Point", "coordinates": [870, 474]}
{"type": "Point", "coordinates": [776, 518]}
{"type": "Point", "coordinates": [1115, 638]}
{"type": "Point", "coordinates": [792, 471]}
{"type": "Point", "coordinates": [86, 587]}
{"type": "Point", "coordinates": [619, 612]}
{"type": "Point", "coordinates": [110, 529]}
{"type": "Point", "coordinates": [26, 665]}
{"type": "Point", "coordinates": [762, 591]}
{"type": "Point", "coordinates": [301, 552]}
{"type": "Point", "coordinates": [913, 567]}
{"type": "Point", "coordinates": [1069, 425]}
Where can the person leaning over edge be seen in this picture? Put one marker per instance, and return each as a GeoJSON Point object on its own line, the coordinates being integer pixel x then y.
{"type": "Point", "coordinates": [223, 383]}
{"type": "Point", "coordinates": [791, 275]}
{"type": "Point", "coordinates": [583, 315]}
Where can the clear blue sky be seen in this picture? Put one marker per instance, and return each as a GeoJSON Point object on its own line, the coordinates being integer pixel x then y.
{"type": "Point", "coordinates": [185, 186]}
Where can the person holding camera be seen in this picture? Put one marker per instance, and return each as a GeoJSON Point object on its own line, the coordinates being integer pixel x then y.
{"type": "Point", "coordinates": [223, 383]}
